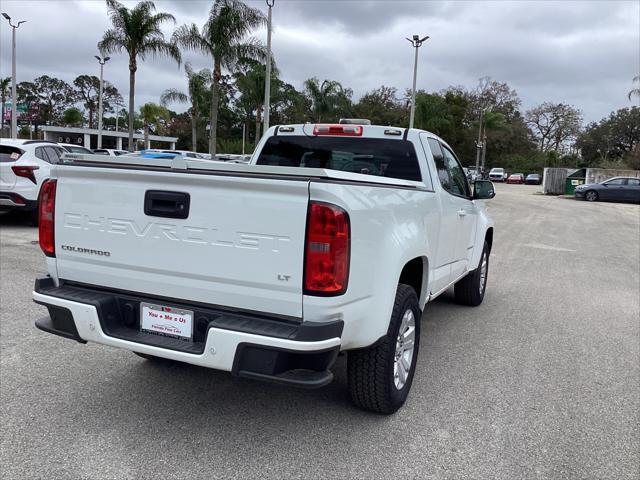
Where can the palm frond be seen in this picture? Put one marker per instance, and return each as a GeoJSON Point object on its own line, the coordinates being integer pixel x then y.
{"type": "Point", "coordinates": [251, 49]}
{"type": "Point", "coordinates": [189, 37]}
{"type": "Point", "coordinates": [159, 48]}
{"type": "Point", "coordinates": [173, 95]}
{"type": "Point", "coordinates": [112, 42]}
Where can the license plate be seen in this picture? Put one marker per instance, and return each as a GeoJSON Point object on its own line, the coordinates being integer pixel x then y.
{"type": "Point", "coordinates": [167, 321]}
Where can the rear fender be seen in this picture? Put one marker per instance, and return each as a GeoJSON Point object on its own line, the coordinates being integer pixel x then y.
{"type": "Point", "coordinates": [387, 231]}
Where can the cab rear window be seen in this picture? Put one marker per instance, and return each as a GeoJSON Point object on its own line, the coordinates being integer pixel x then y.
{"type": "Point", "coordinates": [9, 154]}
{"type": "Point", "coordinates": [371, 156]}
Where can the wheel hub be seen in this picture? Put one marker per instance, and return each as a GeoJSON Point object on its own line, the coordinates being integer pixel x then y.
{"type": "Point", "coordinates": [483, 273]}
{"type": "Point", "coordinates": [405, 343]}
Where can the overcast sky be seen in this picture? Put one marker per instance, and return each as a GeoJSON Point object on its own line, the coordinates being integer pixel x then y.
{"type": "Point", "coordinates": [581, 53]}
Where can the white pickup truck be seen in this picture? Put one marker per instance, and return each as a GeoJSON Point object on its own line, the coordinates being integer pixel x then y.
{"type": "Point", "coordinates": [331, 240]}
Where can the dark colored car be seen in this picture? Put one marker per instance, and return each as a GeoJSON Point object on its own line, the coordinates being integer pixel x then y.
{"type": "Point", "coordinates": [533, 179]}
{"type": "Point", "coordinates": [623, 189]}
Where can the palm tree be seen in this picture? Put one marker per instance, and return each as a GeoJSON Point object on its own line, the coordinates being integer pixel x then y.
{"type": "Point", "coordinates": [635, 92]}
{"type": "Point", "coordinates": [152, 114]}
{"type": "Point", "coordinates": [199, 83]}
{"type": "Point", "coordinates": [137, 31]}
{"type": "Point", "coordinates": [4, 93]}
{"type": "Point", "coordinates": [326, 97]}
{"type": "Point", "coordinates": [250, 83]}
{"type": "Point", "coordinates": [223, 38]}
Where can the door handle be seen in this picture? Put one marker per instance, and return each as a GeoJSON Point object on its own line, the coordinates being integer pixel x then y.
{"type": "Point", "coordinates": [160, 203]}
{"type": "Point", "coordinates": [462, 212]}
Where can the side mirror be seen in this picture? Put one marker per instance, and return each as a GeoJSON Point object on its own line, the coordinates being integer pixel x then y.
{"type": "Point", "coordinates": [483, 190]}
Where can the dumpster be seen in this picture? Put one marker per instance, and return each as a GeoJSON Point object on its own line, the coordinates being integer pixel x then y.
{"type": "Point", "coordinates": [573, 180]}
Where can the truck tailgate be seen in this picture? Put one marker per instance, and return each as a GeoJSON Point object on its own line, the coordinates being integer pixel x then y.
{"type": "Point", "coordinates": [241, 245]}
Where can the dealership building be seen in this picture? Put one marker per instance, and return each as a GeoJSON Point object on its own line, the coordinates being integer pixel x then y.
{"type": "Point", "coordinates": [88, 137]}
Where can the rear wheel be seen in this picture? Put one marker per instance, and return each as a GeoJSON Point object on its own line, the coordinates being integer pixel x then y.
{"type": "Point", "coordinates": [380, 376]}
{"type": "Point", "coordinates": [591, 196]}
{"type": "Point", "coordinates": [470, 290]}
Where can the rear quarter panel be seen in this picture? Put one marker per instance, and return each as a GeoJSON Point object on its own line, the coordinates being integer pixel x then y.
{"type": "Point", "coordinates": [388, 229]}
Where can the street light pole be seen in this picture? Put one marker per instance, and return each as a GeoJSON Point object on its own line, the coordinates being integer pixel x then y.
{"type": "Point", "coordinates": [14, 95]}
{"type": "Point", "coordinates": [101, 61]}
{"type": "Point", "coordinates": [479, 142]}
{"type": "Point", "coordinates": [243, 137]}
{"type": "Point", "coordinates": [417, 43]}
{"type": "Point", "coordinates": [267, 82]}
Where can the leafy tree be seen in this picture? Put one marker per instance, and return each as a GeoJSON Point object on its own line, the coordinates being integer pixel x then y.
{"type": "Point", "coordinates": [88, 92]}
{"type": "Point", "coordinates": [553, 124]}
{"type": "Point", "coordinates": [328, 99]}
{"type": "Point", "coordinates": [155, 116]}
{"type": "Point", "coordinates": [615, 138]}
{"type": "Point", "coordinates": [72, 117]}
{"type": "Point", "coordinates": [198, 85]}
{"type": "Point", "coordinates": [51, 94]}
{"type": "Point", "coordinates": [138, 32]}
{"type": "Point", "coordinates": [382, 107]}
{"type": "Point", "coordinates": [250, 83]}
{"type": "Point", "coordinates": [288, 105]}
{"type": "Point", "coordinates": [432, 113]}
{"type": "Point", "coordinates": [224, 38]}
{"type": "Point", "coordinates": [4, 93]}
{"type": "Point", "coordinates": [491, 95]}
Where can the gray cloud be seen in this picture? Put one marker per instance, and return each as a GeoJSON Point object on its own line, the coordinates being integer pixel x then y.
{"type": "Point", "coordinates": [583, 53]}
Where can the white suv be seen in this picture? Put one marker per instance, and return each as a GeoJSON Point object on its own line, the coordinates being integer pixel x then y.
{"type": "Point", "coordinates": [497, 175]}
{"type": "Point", "coordinates": [24, 166]}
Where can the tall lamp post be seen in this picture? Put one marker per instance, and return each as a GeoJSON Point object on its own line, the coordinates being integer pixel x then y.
{"type": "Point", "coordinates": [417, 43]}
{"type": "Point", "coordinates": [101, 61]}
{"type": "Point", "coordinates": [479, 143]}
{"type": "Point", "coordinates": [14, 96]}
{"type": "Point", "coordinates": [267, 82]}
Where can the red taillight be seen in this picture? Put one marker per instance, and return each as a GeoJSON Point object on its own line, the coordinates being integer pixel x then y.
{"type": "Point", "coordinates": [46, 222]}
{"type": "Point", "coordinates": [339, 130]}
{"type": "Point", "coordinates": [326, 267]}
{"type": "Point", "coordinates": [25, 171]}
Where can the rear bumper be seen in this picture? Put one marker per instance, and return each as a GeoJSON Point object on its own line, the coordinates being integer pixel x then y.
{"type": "Point", "coordinates": [11, 200]}
{"type": "Point", "coordinates": [246, 345]}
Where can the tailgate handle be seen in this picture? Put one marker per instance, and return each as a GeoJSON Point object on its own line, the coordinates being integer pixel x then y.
{"type": "Point", "coordinates": [161, 203]}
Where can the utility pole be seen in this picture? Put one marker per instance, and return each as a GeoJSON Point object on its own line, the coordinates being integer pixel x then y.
{"type": "Point", "coordinates": [479, 145]}
{"type": "Point", "coordinates": [417, 43]}
{"type": "Point", "coordinates": [14, 95]}
{"type": "Point", "coordinates": [484, 149]}
{"type": "Point", "coordinates": [267, 81]}
{"type": "Point", "coordinates": [101, 61]}
{"type": "Point", "coordinates": [243, 137]}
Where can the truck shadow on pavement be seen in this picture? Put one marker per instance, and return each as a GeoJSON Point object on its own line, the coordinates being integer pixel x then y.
{"type": "Point", "coordinates": [146, 388]}
{"type": "Point", "coordinates": [15, 219]}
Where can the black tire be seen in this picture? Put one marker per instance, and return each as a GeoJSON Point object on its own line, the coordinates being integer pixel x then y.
{"type": "Point", "coordinates": [591, 196]}
{"type": "Point", "coordinates": [370, 371]}
{"type": "Point", "coordinates": [467, 290]}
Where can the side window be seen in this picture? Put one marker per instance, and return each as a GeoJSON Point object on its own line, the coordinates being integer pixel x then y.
{"type": "Point", "coordinates": [616, 181]}
{"type": "Point", "coordinates": [438, 157]}
{"type": "Point", "coordinates": [41, 153]}
{"type": "Point", "coordinates": [633, 182]}
{"type": "Point", "coordinates": [459, 184]}
{"type": "Point", "coordinates": [52, 153]}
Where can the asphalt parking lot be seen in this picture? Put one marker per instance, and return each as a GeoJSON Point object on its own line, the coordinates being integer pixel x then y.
{"type": "Point", "coordinates": [541, 381]}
